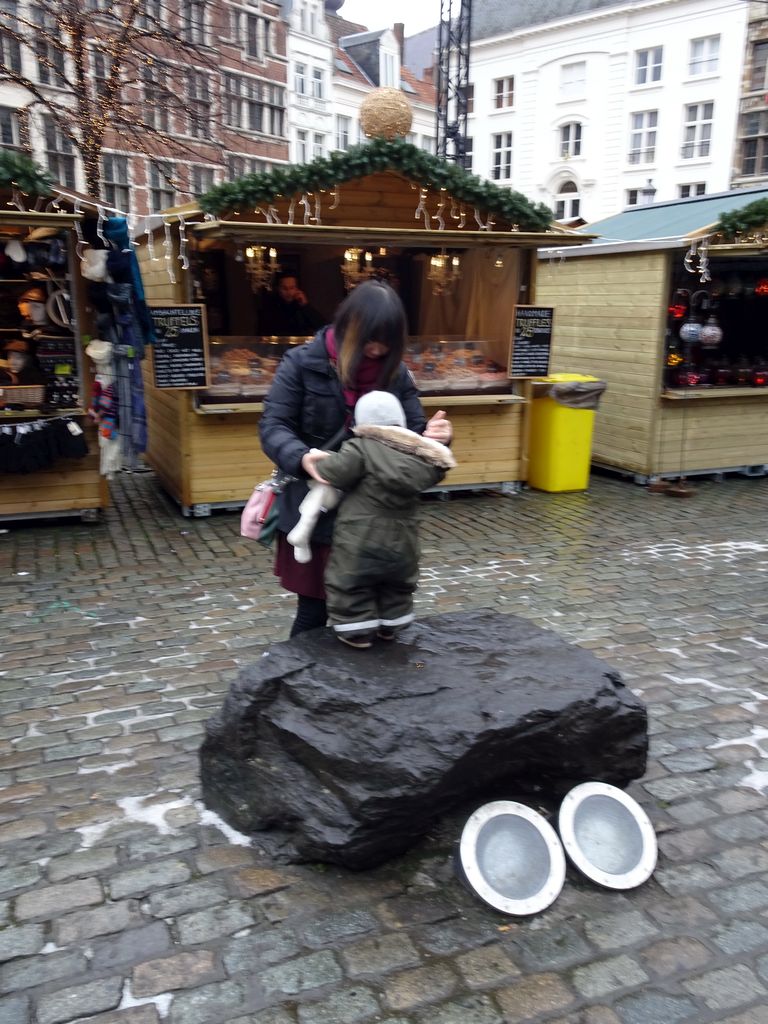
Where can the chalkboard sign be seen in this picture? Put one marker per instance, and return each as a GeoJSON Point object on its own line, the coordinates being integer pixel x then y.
{"type": "Point", "coordinates": [531, 341]}
{"type": "Point", "coordinates": [180, 354]}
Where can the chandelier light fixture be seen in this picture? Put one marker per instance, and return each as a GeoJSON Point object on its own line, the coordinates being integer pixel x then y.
{"type": "Point", "coordinates": [357, 267]}
{"type": "Point", "coordinates": [444, 272]}
{"type": "Point", "coordinates": [261, 266]}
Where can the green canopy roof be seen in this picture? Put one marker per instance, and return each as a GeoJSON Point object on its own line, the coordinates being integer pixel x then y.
{"type": "Point", "coordinates": [676, 219]}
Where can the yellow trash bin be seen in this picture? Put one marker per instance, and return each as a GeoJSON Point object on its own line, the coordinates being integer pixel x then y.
{"type": "Point", "coordinates": [562, 419]}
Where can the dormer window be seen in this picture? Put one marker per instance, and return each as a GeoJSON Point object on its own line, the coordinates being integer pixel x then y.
{"type": "Point", "coordinates": [388, 69]}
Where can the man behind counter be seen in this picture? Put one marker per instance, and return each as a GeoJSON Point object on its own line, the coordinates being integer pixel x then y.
{"type": "Point", "coordinates": [286, 310]}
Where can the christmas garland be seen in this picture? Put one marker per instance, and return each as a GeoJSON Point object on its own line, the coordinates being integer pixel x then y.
{"type": "Point", "coordinates": [739, 221]}
{"type": "Point", "coordinates": [19, 170]}
{"type": "Point", "coordinates": [378, 155]}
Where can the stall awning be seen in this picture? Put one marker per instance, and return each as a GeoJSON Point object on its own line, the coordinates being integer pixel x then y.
{"type": "Point", "coordinates": [678, 219]}
{"type": "Point", "coordinates": [317, 234]}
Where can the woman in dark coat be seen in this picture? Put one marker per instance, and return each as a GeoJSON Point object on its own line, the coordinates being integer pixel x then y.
{"type": "Point", "coordinates": [310, 405]}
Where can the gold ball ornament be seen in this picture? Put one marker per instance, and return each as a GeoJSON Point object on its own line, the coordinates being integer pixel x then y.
{"type": "Point", "coordinates": [386, 114]}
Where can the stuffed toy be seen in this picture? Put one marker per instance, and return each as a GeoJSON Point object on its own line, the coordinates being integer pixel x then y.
{"type": "Point", "coordinates": [319, 498]}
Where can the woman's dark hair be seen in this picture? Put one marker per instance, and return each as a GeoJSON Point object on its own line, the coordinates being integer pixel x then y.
{"type": "Point", "coordinates": [372, 312]}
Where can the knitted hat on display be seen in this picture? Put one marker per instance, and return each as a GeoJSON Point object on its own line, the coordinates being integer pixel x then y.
{"type": "Point", "coordinates": [16, 345]}
{"type": "Point", "coordinates": [98, 350]}
{"type": "Point", "coordinates": [379, 408]}
{"type": "Point", "coordinates": [33, 294]}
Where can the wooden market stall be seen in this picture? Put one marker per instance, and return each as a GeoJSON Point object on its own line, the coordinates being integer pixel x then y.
{"type": "Point", "coordinates": [460, 252]}
{"type": "Point", "coordinates": [43, 387]}
{"type": "Point", "coordinates": [685, 357]}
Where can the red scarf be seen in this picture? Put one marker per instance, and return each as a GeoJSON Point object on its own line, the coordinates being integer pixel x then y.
{"type": "Point", "coordinates": [368, 372]}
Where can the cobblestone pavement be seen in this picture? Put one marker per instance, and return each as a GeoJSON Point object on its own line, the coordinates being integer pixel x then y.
{"type": "Point", "coordinates": [123, 901]}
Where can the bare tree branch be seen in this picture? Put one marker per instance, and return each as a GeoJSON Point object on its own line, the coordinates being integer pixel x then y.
{"type": "Point", "coordinates": [126, 67]}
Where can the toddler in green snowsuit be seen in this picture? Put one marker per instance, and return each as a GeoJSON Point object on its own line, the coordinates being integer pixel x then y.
{"type": "Point", "coordinates": [373, 567]}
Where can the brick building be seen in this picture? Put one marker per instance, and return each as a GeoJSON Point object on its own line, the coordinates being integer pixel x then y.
{"type": "Point", "coordinates": [219, 103]}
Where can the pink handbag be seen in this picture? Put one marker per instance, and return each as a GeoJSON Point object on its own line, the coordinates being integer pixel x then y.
{"type": "Point", "coordinates": [258, 508]}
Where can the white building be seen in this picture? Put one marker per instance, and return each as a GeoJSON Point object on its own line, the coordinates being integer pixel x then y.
{"type": "Point", "coordinates": [593, 105]}
{"type": "Point", "coordinates": [333, 65]}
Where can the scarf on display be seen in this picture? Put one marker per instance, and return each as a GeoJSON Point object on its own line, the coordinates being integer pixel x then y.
{"type": "Point", "coordinates": [368, 372]}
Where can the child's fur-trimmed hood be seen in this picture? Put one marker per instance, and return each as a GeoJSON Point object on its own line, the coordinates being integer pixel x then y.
{"type": "Point", "coordinates": [408, 441]}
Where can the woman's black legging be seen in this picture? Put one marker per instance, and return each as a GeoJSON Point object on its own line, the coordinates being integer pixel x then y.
{"type": "Point", "coordinates": [311, 613]}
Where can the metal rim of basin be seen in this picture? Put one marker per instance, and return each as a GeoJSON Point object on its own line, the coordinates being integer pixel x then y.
{"type": "Point", "coordinates": [607, 835]}
{"type": "Point", "coordinates": [528, 872]}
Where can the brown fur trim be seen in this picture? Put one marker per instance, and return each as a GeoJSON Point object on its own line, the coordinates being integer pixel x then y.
{"type": "Point", "coordinates": [410, 442]}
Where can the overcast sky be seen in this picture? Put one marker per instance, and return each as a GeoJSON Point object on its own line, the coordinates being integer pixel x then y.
{"type": "Point", "coordinates": [416, 15]}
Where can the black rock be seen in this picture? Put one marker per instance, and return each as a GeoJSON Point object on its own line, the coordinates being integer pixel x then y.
{"type": "Point", "coordinates": [347, 756]}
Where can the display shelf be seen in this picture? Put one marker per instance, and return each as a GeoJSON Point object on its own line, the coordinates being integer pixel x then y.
{"type": "Point", "coordinates": [39, 414]}
{"type": "Point", "coordinates": [682, 394]}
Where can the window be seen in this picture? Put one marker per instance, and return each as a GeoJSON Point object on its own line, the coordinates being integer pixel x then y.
{"type": "Point", "coordinates": [343, 130]}
{"type": "Point", "coordinates": [468, 93]}
{"type": "Point", "coordinates": [302, 150]}
{"type": "Point", "coordinates": [633, 197]}
{"type": "Point", "coordinates": [754, 143]}
{"type": "Point", "coordinates": [199, 104]}
{"type": "Point", "coordinates": [428, 144]}
{"type": "Point", "coordinates": [567, 202]}
{"type": "Point", "coordinates": [648, 66]}
{"type": "Point", "coordinates": [202, 180]}
{"type": "Point", "coordinates": [59, 153]}
{"type": "Point", "coordinates": [388, 68]}
{"type": "Point", "coordinates": [252, 31]}
{"type": "Point", "coordinates": [317, 83]}
{"type": "Point", "coordinates": [570, 140]}
{"type": "Point", "coordinates": [193, 24]}
{"type": "Point", "coordinates": [704, 56]}
{"type": "Point", "coordinates": [156, 78]}
{"type": "Point", "coordinates": [50, 58]}
{"type": "Point", "coordinates": [699, 188]}
{"type": "Point", "coordinates": [238, 165]}
{"type": "Point", "coordinates": [697, 130]}
{"type": "Point", "coordinates": [151, 15]}
{"type": "Point", "coordinates": [642, 137]}
{"type": "Point", "coordinates": [10, 50]}
{"type": "Point", "coordinates": [9, 128]}
{"type": "Point", "coordinates": [101, 67]}
{"type": "Point", "coordinates": [504, 92]}
{"type": "Point", "coordinates": [573, 80]}
{"type": "Point", "coordinates": [318, 145]}
{"type": "Point", "coordinates": [114, 171]}
{"type": "Point", "coordinates": [300, 79]}
{"type": "Point", "coordinates": [502, 156]}
{"type": "Point", "coordinates": [253, 105]}
{"type": "Point", "coordinates": [759, 79]}
{"type": "Point", "coordinates": [162, 194]}
{"type": "Point", "coordinates": [469, 145]}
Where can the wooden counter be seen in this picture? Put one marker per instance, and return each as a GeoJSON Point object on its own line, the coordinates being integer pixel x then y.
{"type": "Point", "coordinates": [68, 487]}
{"type": "Point", "coordinates": [210, 457]}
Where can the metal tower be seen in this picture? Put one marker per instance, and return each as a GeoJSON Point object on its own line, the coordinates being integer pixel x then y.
{"type": "Point", "coordinates": [453, 78]}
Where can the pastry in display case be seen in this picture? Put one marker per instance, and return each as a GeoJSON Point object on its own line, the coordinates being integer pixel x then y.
{"type": "Point", "coordinates": [244, 367]}
{"type": "Point", "coordinates": [448, 363]}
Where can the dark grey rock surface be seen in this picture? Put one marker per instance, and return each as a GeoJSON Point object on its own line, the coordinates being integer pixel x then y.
{"type": "Point", "coordinates": [350, 756]}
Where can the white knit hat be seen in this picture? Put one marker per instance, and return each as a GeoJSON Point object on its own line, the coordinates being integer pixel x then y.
{"type": "Point", "coordinates": [379, 408]}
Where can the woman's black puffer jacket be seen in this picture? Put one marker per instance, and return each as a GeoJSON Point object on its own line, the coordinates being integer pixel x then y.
{"type": "Point", "coordinates": [305, 408]}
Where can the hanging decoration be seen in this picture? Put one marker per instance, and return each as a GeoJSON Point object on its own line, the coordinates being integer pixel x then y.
{"type": "Point", "coordinates": [182, 257]}
{"type": "Point", "coordinates": [711, 333]}
{"type": "Point", "coordinates": [444, 272]}
{"type": "Point", "coordinates": [168, 249]}
{"type": "Point", "coordinates": [421, 209]}
{"type": "Point", "coordinates": [261, 266]}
